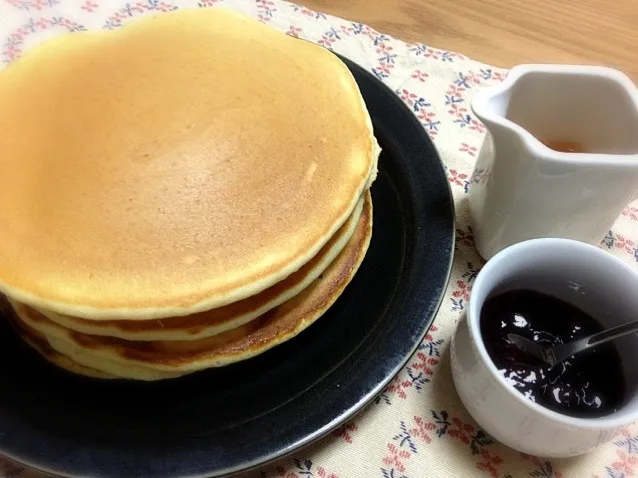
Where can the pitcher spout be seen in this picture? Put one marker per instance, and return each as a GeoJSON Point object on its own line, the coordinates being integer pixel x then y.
{"type": "Point", "coordinates": [490, 105]}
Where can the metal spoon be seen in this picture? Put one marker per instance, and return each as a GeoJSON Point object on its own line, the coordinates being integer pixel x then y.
{"type": "Point", "coordinates": [558, 353]}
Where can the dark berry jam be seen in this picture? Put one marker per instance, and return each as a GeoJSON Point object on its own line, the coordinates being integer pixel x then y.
{"type": "Point", "coordinates": [588, 385]}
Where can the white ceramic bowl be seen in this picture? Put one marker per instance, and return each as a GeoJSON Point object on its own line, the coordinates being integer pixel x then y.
{"type": "Point", "coordinates": [584, 275]}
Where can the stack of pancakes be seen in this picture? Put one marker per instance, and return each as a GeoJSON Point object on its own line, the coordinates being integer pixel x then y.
{"type": "Point", "coordinates": [183, 193]}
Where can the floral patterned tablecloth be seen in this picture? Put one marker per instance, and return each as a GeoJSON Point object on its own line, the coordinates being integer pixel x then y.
{"type": "Point", "coordinates": [417, 427]}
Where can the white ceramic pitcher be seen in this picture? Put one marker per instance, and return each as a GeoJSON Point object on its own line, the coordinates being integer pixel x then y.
{"type": "Point", "coordinates": [522, 188]}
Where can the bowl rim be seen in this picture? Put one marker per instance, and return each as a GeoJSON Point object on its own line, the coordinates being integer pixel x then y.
{"type": "Point", "coordinates": [615, 419]}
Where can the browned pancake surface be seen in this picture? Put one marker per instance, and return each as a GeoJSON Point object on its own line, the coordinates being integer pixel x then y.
{"type": "Point", "coordinates": [183, 162]}
{"type": "Point", "coordinates": [253, 338]}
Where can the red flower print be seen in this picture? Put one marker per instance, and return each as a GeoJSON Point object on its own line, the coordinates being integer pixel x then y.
{"type": "Point", "coordinates": [420, 75]}
{"type": "Point", "coordinates": [294, 31]}
{"type": "Point", "coordinates": [466, 148]}
{"type": "Point", "coordinates": [398, 387]}
{"type": "Point", "coordinates": [406, 96]}
{"type": "Point", "coordinates": [322, 473]}
{"type": "Point", "coordinates": [344, 432]}
{"type": "Point", "coordinates": [465, 238]}
{"type": "Point", "coordinates": [327, 42]}
{"type": "Point", "coordinates": [32, 4]}
{"type": "Point", "coordinates": [396, 457]}
{"type": "Point", "coordinates": [385, 68]}
{"type": "Point", "coordinates": [458, 178]}
{"type": "Point", "coordinates": [383, 49]}
{"type": "Point", "coordinates": [429, 121]}
{"type": "Point", "coordinates": [460, 431]}
{"type": "Point", "coordinates": [463, 290]}
{"type": "Point", "coordinates": [617, 241]}
{"type": "Point", "coordinates": [308, 12]}
{"type": "Point", "coordinates": [265, 9]}
{"type": "Point", "coordinates": [631, 212]}
{"type": "Point", "coordinates": [489, 463]}
{"type": "Point", "coordinates": [422, 429]}
{"type": "Point", "coordinates": [89, 6]}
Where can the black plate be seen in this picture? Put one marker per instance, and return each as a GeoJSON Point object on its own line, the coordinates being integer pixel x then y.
{"type": "Point", "coordinates": [219, 421]}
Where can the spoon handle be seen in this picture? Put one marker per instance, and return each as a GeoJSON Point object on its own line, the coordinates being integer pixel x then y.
{"type": "Point", "coordinates": [614, 332]}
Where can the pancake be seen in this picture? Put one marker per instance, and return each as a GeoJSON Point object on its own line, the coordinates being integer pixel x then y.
{"type": "Point", "coordinates": [40, 344]}
{"type": "Point", "coordinates": [181, 163]}
{"type": "Point", "coordinates": [276, 326]}
{"type": "Point", "coordinates": [88, 366]}
{"type": "Point", "coordinates": [215, 321]}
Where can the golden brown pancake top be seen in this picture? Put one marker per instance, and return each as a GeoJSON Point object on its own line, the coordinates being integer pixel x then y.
{"type": "Point", "coordinates": [186, 161]}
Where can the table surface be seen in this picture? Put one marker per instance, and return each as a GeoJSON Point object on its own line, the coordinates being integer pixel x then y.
{"type": "Point", "coordinates": [507, 32]}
